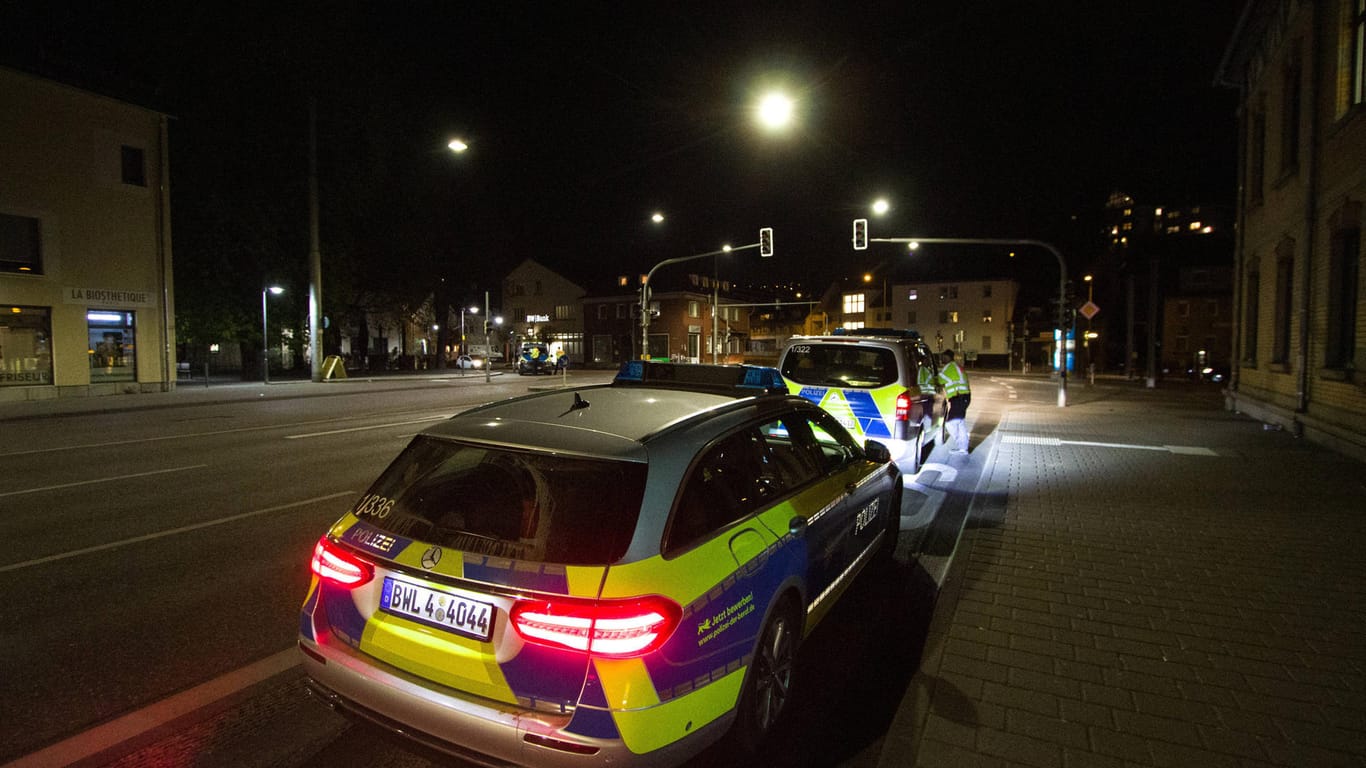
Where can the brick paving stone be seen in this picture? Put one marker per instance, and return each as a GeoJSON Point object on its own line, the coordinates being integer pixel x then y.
{"type": "Point", "coordinates": [1157, 608]}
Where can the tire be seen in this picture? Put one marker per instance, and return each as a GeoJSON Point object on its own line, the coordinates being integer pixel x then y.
{"type": "Point", "coordinates": [888, 548]}
{"type": "Point", "coordinates": [916, 452]}
{"type": "Point", "coordinates": [768, 686]}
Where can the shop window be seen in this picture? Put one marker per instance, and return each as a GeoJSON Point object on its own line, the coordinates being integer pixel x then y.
{"type": "Point", "coordinates": [25, 346]}
{"type": "Point", "coordinates": [20, 245]}
{"type": "Point", "coordinates": [112, 345]}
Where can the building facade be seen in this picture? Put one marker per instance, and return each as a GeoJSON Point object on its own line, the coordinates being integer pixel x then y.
{"type": "Point", "coordinates": [694, 320]}
{"type": "Point", "coordinates": [86, 295]}
{"type": "Point", "coordinates": [541, 304]}
{"type": "Point", "coordinates": [1300, 342]}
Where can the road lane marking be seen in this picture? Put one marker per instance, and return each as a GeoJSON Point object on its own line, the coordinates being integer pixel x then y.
{"type": "Point", "coordinates": [211, 433]}
{"type": "Point", "coordinates": [1053, 442]}
{"type": "Point", "coordinates": [362, 429]}
{"type": "Point", "coordinates": [101, 480]}
{"type": "Point", "coordinates": [171, 532]}
{"type": "Point", "coordinates": [132, 725]}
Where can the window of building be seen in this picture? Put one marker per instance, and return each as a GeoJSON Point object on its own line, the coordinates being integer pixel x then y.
{"type": "Point", "coordinates": [1290, 116]}
{"type": "Point", "coordinates": [853, 325]}
{"type": "Point", "coordinates": [853, 303]}
{"type": "Point", "coordinates": [986, 343]}
{"type": "Point", "coordinates": [948, 291]}
{"type": "Point", "coordinates": [1211, 308]}
{"type": "Point", "coordinates": [20, 245]}
{"type": "Point", "coordinates": [986, 291]}
{"type": "Point", "coordinates": [948, 316]}
{"type": "Point", "coordinates": [537, 290]}
{"type": "Point", "coordinates": [602, 311]}
{"type": "Point", "coordinates": [622, 281]}
{"type": "Point", "coordinates": [910, 318]}
{"type": "Point", "coordinates": [113, 344]}
{"type": "Point", "coordinates": [621, 311]}
{"type": "Point", "coordinates": [25, 346]}
{"type": "Point", "coordinates": [986, 315]}
{"type": "Point", "coordinates": [1357, 24]}
{"type": "Point", "coordinates": [134, 166]}
{"type": "Point", "coordinates": [1344, 275]}
{"type": "Point", "coordinates": [1256, 154]}
{"type": "Point", "coordinates": [913, 294]}
{"type": "Point", "coordinates": [694, 309]}
{"type": "Point", "coordinates": [564, 312]}
{"type": "Point", "coordinates": [1251, 308]}
{"type": "Point", "coordinates": [1285, 279]}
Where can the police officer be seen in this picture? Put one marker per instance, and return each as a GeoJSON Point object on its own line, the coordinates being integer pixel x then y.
{"type": "Point", "coordinates": [960, 395]}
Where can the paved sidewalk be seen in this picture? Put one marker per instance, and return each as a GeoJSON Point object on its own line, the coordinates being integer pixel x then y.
{"type": "Point", "coordinates": [1170, 585]}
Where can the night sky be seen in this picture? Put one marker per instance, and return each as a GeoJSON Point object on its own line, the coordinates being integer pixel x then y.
{"type": "Point", "coordinates": [975, 119]}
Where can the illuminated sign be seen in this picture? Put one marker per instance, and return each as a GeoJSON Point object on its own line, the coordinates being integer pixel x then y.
{"type": "Point", "coordinates": [538, 318]}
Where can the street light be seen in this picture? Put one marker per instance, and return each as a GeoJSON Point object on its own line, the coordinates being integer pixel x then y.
{"type": "Point", "coordinates": [775, 111]}
{"type": "Point", "coordinates": [463, 349]}
{"type": "Point", "coordinates": [265, 332]}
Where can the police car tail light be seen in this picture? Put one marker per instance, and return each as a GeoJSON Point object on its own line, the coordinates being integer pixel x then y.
{"type": "Point", "coordinates": [338, 566]}
{"type": "Point", "coordinates": [903, 406]}
{"type": "Point", "coordinates": [619, 628]}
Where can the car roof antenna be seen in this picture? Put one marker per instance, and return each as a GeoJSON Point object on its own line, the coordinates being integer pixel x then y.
{"type": "Point", "coordinates": [579, 403]}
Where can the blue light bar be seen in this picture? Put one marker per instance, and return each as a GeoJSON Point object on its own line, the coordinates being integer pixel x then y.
{"type": "Point", "coordinates": [694, 376]}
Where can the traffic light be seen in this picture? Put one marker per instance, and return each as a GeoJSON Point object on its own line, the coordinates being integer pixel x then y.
{"type": "Point", "coordinates": [860, 234]}
{"type": "Point", "coordinates": [766, 242]}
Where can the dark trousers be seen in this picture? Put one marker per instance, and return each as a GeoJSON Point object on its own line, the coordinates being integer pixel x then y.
{"type": "Point", "coordinates": [958, 406]}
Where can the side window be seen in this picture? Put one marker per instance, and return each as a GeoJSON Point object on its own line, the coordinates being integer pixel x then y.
{"type": "Point", "coordinates": [723, 486]}
{"type": "Point", "coordinates": [788, 455]}
{"type": "Point", "coordinates": [836, 447]}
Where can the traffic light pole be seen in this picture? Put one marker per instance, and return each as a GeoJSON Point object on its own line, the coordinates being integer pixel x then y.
{"type": "Point", "coordinates": [645, 291]}
{"type": "Point", "coordinates": [1062, 287]}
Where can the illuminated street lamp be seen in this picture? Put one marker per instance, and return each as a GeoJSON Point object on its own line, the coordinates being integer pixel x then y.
{"type": "Point", "coordinates": [265, 332]}
{"type": "Point", "coordinates": [457, 146]}
{"type": "Point", "coordinates": [775, 111]}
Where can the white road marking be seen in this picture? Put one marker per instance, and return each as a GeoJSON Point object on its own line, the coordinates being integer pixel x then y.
{"type": "Point", "coordinates": [212, 433]}
{"type": "Point", "coordinates": [1184, 450]}
{"type": "Point", "coordinates": [362, 429]}
{"type": "Point", "coordinates": [101, 480]}
{"type": "Point", "coordinates": [92, 742]}
{"type": "Point", "coordinates": [171, 532]}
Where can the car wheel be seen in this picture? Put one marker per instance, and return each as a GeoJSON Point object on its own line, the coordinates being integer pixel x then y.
{"type": "Point", "coordinates": [893, 525]}
{"type": "Point", "coordinates": [915, 451]}
{"type": "Point", "coordinates": [768, 687]}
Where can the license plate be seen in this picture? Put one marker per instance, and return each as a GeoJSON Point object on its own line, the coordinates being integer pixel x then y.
{"type": "Point", "coordinates": [452, 613]}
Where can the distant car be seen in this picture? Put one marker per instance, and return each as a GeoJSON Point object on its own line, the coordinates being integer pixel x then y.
{"type": "Point", "coordinates": [880, 383]}
{"type": "Point", "coordinates": [535, 358]}
{"type": "Point", "coordinates": [465, 361]}
{"type": "Point", "coordinates": [614, 575]}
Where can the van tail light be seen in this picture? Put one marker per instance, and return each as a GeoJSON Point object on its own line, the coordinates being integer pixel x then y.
{"type": "Point", "coordinates": [903, 406]}
{"type": "Point", "coordinates": [616, 628]}
{"type": "Point", "coordinates": [334, 564]}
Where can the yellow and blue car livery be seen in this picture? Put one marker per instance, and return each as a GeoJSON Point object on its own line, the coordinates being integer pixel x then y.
{"type": "Point", "coordinates": [514, 652]}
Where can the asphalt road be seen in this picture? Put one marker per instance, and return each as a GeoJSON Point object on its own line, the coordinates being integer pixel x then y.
{"type": "Point", "coordinates": [155, 560]}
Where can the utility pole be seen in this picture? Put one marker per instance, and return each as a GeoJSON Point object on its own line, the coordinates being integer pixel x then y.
{"type": "Point", "coordinates": [315, 259]}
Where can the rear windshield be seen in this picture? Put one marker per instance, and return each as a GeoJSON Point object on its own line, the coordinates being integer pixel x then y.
{"type": "Point", "coordinates": [502, 503]}
{"type": "Point", "coordinates": [840, 365]}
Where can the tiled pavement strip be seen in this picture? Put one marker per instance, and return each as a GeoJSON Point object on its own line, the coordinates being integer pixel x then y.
{"type": "Point", "coordinates": [1170, 585]}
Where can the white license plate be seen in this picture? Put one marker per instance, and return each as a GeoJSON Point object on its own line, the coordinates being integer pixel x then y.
{"type": "Point", "coordinates": [452, 613]}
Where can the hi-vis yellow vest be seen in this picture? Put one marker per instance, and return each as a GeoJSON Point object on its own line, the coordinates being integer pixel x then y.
{"type": "Point", "coordinates": [955, 381]}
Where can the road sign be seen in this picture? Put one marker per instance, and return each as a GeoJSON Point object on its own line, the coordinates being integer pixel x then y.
{"type": "Point", "coordinates": [1089, 310]}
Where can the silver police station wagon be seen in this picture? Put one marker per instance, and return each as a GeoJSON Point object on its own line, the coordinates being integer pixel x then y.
{"type": "Point", "coordinates": [611, 575]}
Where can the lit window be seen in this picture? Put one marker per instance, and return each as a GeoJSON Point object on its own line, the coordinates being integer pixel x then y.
{"type": "Point", "coordinates": [853, 303]}
{"type": "Point", "coordinates": [913, 295]}
{"type": "Point", "coordinates": [1195, 226]}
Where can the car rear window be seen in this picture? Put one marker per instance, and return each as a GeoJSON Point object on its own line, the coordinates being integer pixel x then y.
{"type": "Point", "coordinates": [504, 503]}
{"type": "Point", "coordinates": [840, 365]}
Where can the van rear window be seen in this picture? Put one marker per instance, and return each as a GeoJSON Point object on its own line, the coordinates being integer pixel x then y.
{"type": "Point", "coordinates": [503, 503]}
{"type": "Point", "coordinates": [840, 365]}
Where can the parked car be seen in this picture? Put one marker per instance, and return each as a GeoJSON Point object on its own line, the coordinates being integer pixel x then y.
{"type": "Point", "coordinates": [465, 361]}
{"type": "Point", "coordinates": [880, 383]}
{"type": "Point", "coordinates": [614, 575]}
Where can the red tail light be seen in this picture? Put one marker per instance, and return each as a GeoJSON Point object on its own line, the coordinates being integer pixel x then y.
{"type": "Point", "coordinates": [619, 628]}
{"type": "Point", "coordinates": [903, 406]}
{"type": "Point", "coordinates": [338, 566]}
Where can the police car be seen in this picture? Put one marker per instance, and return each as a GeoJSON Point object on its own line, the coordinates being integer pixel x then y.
{"type": "Point", "coordinates": [614, 575]}
{"type": "Point", "coordinates": [880, 383]}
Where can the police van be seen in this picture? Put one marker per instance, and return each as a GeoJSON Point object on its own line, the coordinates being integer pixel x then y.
{"type": "Point", "coordinates": [880, 383]}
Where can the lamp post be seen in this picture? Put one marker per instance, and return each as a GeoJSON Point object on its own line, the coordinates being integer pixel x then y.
{"type": "Point", "coordinates": [1090, 366]}
{"type": "Point", "coordinates": [463, 349]}
{"type": "Point", "coordinates": [265, 332]}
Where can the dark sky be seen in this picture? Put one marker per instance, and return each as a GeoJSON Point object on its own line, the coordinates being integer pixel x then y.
{"type": "Point", "coordinates": [976, 119]}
